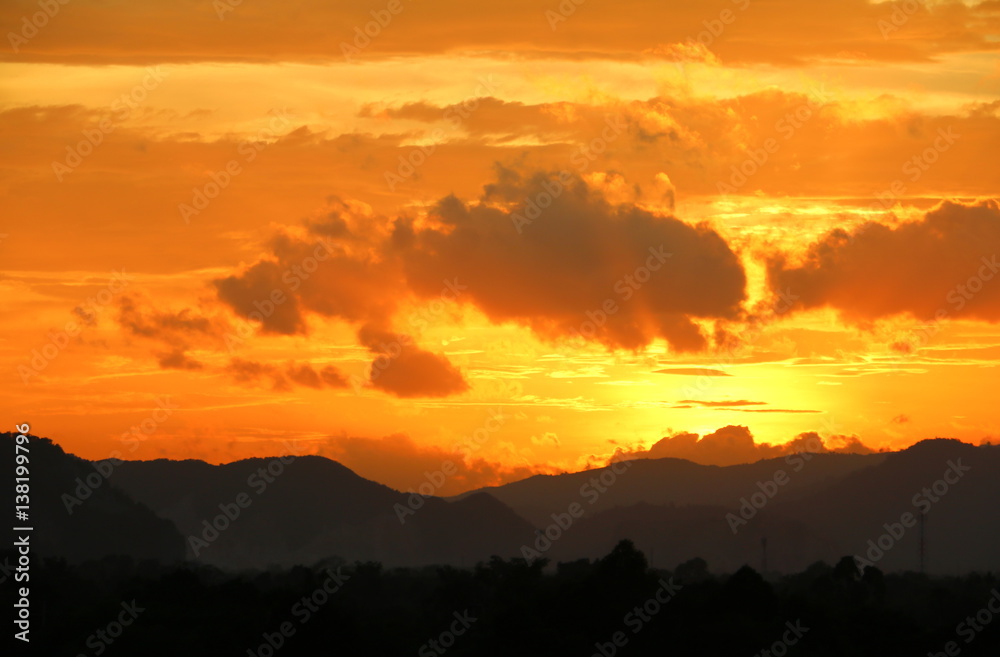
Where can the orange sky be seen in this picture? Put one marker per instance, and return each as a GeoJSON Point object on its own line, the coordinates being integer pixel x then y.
{"type": "Point", "coordinates": [242, 228]}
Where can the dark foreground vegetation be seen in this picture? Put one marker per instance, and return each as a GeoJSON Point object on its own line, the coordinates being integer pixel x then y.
{"type": "Point", "coordinates": [613, 606]}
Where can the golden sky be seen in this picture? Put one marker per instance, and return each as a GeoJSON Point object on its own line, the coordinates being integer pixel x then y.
{"type": "Point", "coordinates": [519, 236]}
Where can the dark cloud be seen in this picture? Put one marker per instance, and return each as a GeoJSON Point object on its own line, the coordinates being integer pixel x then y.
{"type": "Point", "coordinates": [581, 268]}
{"type": "Point", "coordinates": [178, 360]}
{"type": "Point", "coordinates": [941, 266]}
{"type": "Point", "coordinates": [259, 294]}
{"type": "Point", "coordinates": [284, 377]}
{"type": "Point", "coordinates": [305, 375]}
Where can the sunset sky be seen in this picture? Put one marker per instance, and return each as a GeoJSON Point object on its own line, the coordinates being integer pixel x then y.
{"type": "Point", "coordinates": [575, 228]}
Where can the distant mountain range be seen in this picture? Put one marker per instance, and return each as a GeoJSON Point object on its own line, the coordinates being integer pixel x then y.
{"type": "Point", "coordinates": [261, 512]}
{"type": "Point", "coordinates": [828, 506]}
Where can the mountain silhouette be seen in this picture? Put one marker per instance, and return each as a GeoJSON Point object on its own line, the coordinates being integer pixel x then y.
{"type": "Point", "coordinates": [289, 511]}
{"type": "Point", "coordinates": [314, 509]}
{"type": "Point", "coordinates": [667, 481]}
{"type": "Point", "coordinates": [830, 505]}
{"type": "Point", "coordinates": [77, 514]}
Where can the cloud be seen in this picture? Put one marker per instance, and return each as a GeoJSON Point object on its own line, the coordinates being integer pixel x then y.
{"type": "Point", "coordinates": [283, 377]}
{"type": "Point", "coordinates": [547, 438]}
{"type": "Point", "coordinates": [585, 269]}
{"type": "Point", "coordinates": [178, 360]}
{"type": "Point", "coordinates": [341, 270]}
{"type": "Point", "coordinates": [939, 267]}
{"type": "Point", "coordinates": [735, 444]}
{"type": "Point", "coordinates": [582, 268]}
{"type": "Point", "coordinates": [176, 332]}
{"type": "Point", "coordinates": [346, 269]}
{"type": "Point", "coordinates": [305, 375]}
{"type": "Point", "coordinates": [405, 370]}
{"type": "Point", "coordinates": [259, 294]}
{"type": "Point", "coordinates": [182, 32]}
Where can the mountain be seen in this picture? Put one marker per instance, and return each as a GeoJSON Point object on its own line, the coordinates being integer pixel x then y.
{"type": "Point", "coordinates": [305, 509]}
{"type": "Point", "coordinates": [811, 507]}
{"type": "Point", "coordinates": [77, 514]}
{"type": "Point", "coordinates": [961, 524]}
{"type": "Point", "coordinates": [669, 481]}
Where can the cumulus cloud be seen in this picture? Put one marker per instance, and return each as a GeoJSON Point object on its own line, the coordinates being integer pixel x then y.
{"type": "Point", "coordinates": [941, 266]}
{"type": "Point", "coordinates": [735, 444]}
{"type": "Point", "coordinates": [334, 272]}
{"type": "Point", "coordinates": [586, 269]}
{"type": "Point", "coordinates": [581, 268]}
